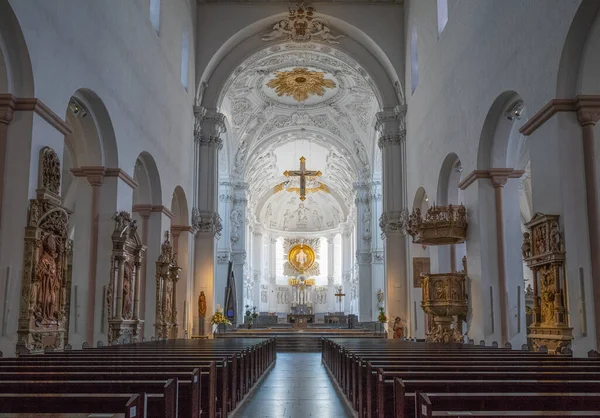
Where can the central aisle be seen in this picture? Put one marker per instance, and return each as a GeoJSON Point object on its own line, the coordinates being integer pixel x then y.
{"type": "Point", "coordinates": [297, 387]}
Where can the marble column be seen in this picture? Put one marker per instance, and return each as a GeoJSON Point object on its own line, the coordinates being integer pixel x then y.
{"type": "Point", "coordinates": [347, 265]}
{"type": "Point", "coordinates": [330, 305]}
{"type": "Point", "coordinates": [272, 273]}
{"type": "Point", "coordinates": [257, 255]}
{"type": "Point", "coordinates": [238, 239]}
{"type": "Point", "coordinates": [205, 219]}
{"type": "Point", "coordinates": [392, 142]}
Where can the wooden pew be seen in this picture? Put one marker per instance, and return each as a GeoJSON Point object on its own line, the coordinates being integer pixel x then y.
{"type": "Point", "coordinates": [444, 404]}
{"type": "Point", "coordinates": [132, 405]}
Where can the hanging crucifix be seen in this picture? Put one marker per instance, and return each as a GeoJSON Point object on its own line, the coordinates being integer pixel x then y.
{"type": "Point", "coordinates": [302, 173]}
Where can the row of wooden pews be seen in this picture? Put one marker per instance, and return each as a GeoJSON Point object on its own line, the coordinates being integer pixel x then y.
{"type": "Point", "coordinates": [166, 379]}
{"type": "Point", "coordinates": [393, 378]}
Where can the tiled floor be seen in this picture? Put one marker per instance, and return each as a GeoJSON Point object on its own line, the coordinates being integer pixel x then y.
{"type": "Point", "coordinates": [297, 387]}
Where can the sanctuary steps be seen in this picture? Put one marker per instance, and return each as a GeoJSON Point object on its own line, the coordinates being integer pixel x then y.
{"type": "Point", "coordinates": [307, 340]}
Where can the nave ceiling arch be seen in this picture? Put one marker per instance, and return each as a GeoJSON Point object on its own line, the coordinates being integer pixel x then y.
{"type": "Point", "coordinates": [268, 132]}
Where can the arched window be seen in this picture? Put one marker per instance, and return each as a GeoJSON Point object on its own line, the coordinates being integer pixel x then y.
{"type": "Point", "coordinates": [155, 14]}
{"type": "Point", "coordinates": [185, 48]}
{"type": "Point", "coordinates": [414, 58]}
{"type": "Point", "coordinates": [442, 15]}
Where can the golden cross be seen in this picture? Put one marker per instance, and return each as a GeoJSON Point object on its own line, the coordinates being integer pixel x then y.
{"type": "Point", "coordinates": [302, 173]}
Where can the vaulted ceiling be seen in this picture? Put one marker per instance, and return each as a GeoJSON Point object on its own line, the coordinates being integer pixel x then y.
{"type": "Point", "coordinates": [272, 123]}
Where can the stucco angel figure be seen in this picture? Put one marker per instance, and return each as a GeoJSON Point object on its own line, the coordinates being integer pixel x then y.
{"type": "Point", "coordinates": [324, 33]}
{"type": "Point", "coordinates": [280, 29]}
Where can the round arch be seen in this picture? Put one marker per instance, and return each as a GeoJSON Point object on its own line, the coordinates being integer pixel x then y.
{"type": "Point", "coordinates": [16, 75]}
{"type": "Point", "coordinates": [179, 207]}
{"type": "Point", "coordinates": [356, 44]}
{"type": "Point", "coordinates": [146, 174]}
{"type": "Point", "coordinates": [449, 178]}
{"type": "Point", "coordinates": [571, 75]}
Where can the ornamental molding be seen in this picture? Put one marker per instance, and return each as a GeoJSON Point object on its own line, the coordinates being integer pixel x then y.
{"type": "Point", "coordinates": [391, 140]}
{"type": "Point", "coordinates": [207, 222]}
{"type": "Point", "coordinates": [223, 257]}
{"type": "Point", "coordinates": [302, 25]}
{"type": "Point", "coordinates": [394, 222]}
{"type": "Point", "coordinates": [10, 104]}
{"type": "Point", "coordinates": [586, 106]}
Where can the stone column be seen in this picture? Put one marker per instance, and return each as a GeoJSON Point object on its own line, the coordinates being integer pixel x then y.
{"type": "Point", "coordinates": [363, 250]}
{"type": "Point", "coordinates": [347, 264]}
{"type": "Point", "coordinates": [206, 221]}
{"type": "Point", "coordinates": [272, 274]}
{"type": "Point", "coordinates": [392, 142]}
{"type": "Point", "coordinates": [499, 182]}
{"type": "Point", "coordinates": [6, 116]}
{"type": "Point", "coordinates": [257, 253]}
{"type": "Point", "coordinates": [238, 230]}
{"type": "Point", "coordinates": [330, 306]}
{"type": "Point", "coordinates": [588, 117]}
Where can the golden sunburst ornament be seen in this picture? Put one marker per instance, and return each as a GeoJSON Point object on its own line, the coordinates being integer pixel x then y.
{"type": "Point", "coordinates": [300, 83]}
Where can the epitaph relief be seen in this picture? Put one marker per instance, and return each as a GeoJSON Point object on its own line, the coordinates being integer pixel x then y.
{"type": "Point", "coordinates": [167, 276]}
{"type": "Point", "coordinates": [123, 294]}
{"type": "Point", "coordinates": [421, 265]}
{"type": "Point", "coordinates": [43, 319]}
{"type": "Point", "coordinates": [544, 254]}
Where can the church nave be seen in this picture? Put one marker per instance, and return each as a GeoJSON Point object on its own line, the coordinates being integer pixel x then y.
{"type": "Point", "coordinates": [296, 387]}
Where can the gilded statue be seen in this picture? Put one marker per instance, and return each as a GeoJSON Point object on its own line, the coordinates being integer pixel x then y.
{"type": "Point", "coordinates": [48, 282]}
{"type": "Point", "coordinates": [127, 291]}
{"type": "Point", "coordinates": [168, 299]}
{"type": "Point", "coordinates": [547, 295]}
{"type": "Point", "coordinates": [202, 305]}
{"type": "Point", "coordinates": [425, 286]}
{"type": "Point", "coordinates": [398, 328]}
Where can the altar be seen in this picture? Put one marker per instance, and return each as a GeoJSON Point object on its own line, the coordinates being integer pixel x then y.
{"type": "Point", "coordinates": [300, 320]}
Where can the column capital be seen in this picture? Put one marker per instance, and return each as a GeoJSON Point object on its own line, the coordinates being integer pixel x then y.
{"type": "Point", "coordinates": [206, 223]}
{"type": "Point", "coordinates": [7, 108]}
{"type": "Point", "coordinates": [208, 127]}
{"type": "Point", "coordinates": [498, 176]}
{"type": "Point", "coordinates": [95, 175]}
{"type": "Point", "coordinates": [394, 222]}
{"type": "Point", "coordinates": [223, 256]}
{"type": "Point", "coordinates": [391, 126]}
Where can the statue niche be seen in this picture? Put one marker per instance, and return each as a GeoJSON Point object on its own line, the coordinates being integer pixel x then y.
{"type": "Point", "coordinates": [123, 294]}
{"type": "Point", "coordinates": [43, 318]}
{"type": "Point", "coordinates": [167, 276]}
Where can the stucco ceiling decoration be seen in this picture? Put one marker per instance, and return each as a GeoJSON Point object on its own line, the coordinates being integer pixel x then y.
{"type": "Point", "coordinates": [300, 83]}
{"type": "Point", "coordinates": [302, 25]}
{"type": "Point", "coordinates": [268, 133]}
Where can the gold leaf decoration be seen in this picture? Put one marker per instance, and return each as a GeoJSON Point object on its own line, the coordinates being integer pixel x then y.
{"type": "Point", "coordinates": [300, 83]}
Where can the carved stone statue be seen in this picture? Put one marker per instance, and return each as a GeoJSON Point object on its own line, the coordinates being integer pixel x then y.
{"type": "Point", "coordinates": [301, 211]}
{"type": "Point", "coordinates": [127, 291]}
{"type": "Point", "coordinates": [398, 328]}
{"type": "Point", "coordinates": [43, 322]}
{"type": "Point", "coordinates": [380, 296]}
{"type": "Point", "coordinates": [48, 282]}
{"type": "Point", "coordinates": [526, 247]}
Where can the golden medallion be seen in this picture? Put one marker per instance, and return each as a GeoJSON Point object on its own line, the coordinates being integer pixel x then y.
{"type": "Point", "coordinates": [301, 257]}
{"type": "Point", "coordinates": [300, 83]}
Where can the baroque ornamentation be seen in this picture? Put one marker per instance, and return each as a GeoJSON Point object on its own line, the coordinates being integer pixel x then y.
{"type": "Point", "coordinates": [300, 83]}
{"type": "Point", "coordinates": [50, 170]}
{"type": "Point", "coordinates": [544, 253]}
{"type": "Point", "coordinates": [43, 321]}
{"type": "Point", "coordinates": [301, 25]}
{"type": "Point", "coordinates": [391, 222]}
{"type": "Point", "coordinates": [442, 225]}
{"type": "Point", "coordinates": [445, 297]}
{"type": "Point", "coordinates": [209, 222]}
{"type": "Point", "coordinates": [123, 293]}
